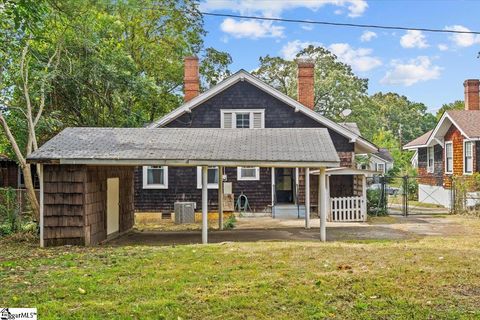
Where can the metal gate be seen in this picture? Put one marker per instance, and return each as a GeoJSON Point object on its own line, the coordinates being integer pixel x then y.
{"type": "Point", "coordinates": [406, 195]}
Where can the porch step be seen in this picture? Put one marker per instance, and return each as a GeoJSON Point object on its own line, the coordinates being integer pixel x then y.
{"type": "Point", "coordinates": [288, 211]}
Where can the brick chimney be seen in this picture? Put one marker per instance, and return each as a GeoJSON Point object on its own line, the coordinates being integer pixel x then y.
{"type": "Point", "coordinates": [191, 78]}
{"type": "Point", "coordinates": [305, 78]}
{"type": "Point", "coordinates": [472, 100]}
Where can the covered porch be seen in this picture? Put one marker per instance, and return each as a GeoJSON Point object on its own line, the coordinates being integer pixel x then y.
{"type": "Point", "coordinates": [86, 176]}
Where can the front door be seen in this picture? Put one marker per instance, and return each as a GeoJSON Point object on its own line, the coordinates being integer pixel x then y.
{"type": "Point", "coordinates": [113, 214]}
{"type": "Point", "coordinates": [285, 184]}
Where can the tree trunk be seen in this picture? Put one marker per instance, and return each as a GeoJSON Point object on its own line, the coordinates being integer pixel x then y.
{"type": "Point", "coordinates": [29, 186]}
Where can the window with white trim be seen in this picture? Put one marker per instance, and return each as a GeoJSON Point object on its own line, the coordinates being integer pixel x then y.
{"type": "Point", "coordinates": [155, 177]}
{"type": "Point", "coordinates": [380, 167]}
{"type": "Point", "coordinates": [212, 181]}
{"type": "Point", "coordinates": [243, 118]}
{"type": "Point", "coordinates": [430, 159]}
{"type": "Point", "coordinates": [248, 173]}
{"type": "Point", "coordinates": [468, 157]}
{"type": "Point", "coordinates": [448, 157]}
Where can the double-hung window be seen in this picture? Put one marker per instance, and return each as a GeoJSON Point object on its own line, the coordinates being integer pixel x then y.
{"type": "Point", "coordinates": [155, 177]}
{"type": "Point", "coordinates": [430, 159]}
{"type": "Point", "coordinates": [380, 167]}
{"type": "Point", "coordinates": [468, 157]}
{"type": "Point", "coordinates": [448, 157]}
{"type": "Point", "coordinates": [212, 181]}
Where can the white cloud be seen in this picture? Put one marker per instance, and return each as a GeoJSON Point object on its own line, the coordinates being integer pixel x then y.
{"type": "Point", "coordinates": [289, 50]}
{"type": "Point", "coordinates": [415, 70]}
{"type": "Point", "coordinates": [442, 47]}
{"type": "Point", "coordinates": [251, 29]}
{"type": "Point", "coordinates": [307, 27]}
{"type": "Point", "coordinates": [269, 8]}
{"type": "Point", "coordinates": [414, 39]}
{"type": "Point", "coordinates": [368, 36]}
{"type": "Point", "coordinates": [360, 59]}
{"type": "Point", "coordinates": [463, 39]}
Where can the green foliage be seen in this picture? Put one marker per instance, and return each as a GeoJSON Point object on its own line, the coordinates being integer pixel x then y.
{"type": "Point", "coordinates": [456, 105]}
{"type": "Point", "coordinates": [376, 203]}
{"type": "Point", "coordinates": [230, 222]}
{"type": "Point", "coordinates": [336, 86]}
{"type": "Point", "coordinates": [10, 212]}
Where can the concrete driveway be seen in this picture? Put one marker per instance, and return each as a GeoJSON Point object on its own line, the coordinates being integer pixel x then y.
{"type": "Point", "coordinates": [267, 229]}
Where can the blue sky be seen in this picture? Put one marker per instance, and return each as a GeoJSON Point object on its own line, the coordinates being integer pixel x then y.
{"type": "Point", "coordinates": [425, 67]}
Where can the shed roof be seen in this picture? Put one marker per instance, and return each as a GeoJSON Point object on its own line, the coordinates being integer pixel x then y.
{"type": "Point", "coordinates": [294, 147]}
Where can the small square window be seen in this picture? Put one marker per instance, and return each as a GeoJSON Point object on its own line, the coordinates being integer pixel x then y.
{"type": "Point", "coordinates": [243, 120]}
{"type": "Point", "coordinates": [155, 177]}
{"type": "Point", "coordinates": [213, 176]}
{"type": "Point", "coordinates": [248, 173]}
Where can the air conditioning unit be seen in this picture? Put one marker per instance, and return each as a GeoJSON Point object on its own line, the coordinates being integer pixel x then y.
{"type": "Point", "coordinates": [184, 212]}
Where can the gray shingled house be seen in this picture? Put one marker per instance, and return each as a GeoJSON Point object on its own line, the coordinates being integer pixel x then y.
{"type": "Point", "coordinates": [243, 133]}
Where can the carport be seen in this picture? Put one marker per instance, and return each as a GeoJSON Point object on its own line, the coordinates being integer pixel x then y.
{"type": "Point", "coordinates": [86, 174]}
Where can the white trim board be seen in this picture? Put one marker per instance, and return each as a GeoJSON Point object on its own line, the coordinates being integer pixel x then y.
{"type": "Point", "coordinates": [243, 75]}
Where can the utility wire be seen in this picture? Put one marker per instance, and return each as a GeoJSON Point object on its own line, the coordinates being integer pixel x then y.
{"type": "Point", "coordinates": [328, 23]}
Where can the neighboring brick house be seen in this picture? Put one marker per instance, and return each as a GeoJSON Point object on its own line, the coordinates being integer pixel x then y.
{"type": "Point", "coordinates": [243, 101]}
{"type": "Point", "coordinates": [452, 148]}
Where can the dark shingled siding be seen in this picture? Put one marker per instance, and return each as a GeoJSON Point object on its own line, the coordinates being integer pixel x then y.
{"type": "Point", "coordinates": [182, 182]}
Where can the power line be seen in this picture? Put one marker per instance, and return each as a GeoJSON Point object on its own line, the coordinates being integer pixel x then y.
{"type": "Point", "coordinates": [329, 23]}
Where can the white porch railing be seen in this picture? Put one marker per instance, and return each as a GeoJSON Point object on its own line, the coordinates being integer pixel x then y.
{"type": "Point", "coordinates": [343, 209]}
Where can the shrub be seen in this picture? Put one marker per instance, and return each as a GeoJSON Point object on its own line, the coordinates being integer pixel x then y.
{"type": "Point", "coordinates": [376, 203]}
{"type": "Point", "coordinates": [230, 223]}
{"type": "Point", "coordinates": [10, 212]}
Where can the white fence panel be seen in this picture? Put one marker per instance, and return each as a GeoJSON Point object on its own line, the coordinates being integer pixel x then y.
{"type": "Point", "coordinates": [346, 209]}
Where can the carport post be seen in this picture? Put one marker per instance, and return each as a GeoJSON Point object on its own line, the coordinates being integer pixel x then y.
{"type": "Point", "coordinates": [364, 197]}
{"type": "Point", "coordinates": [307, 198]}
{"type": "Point", "coordinates": [322, 204]}
{"type": "Point", "coordinates": [220, 198]}
{"type": "Point", "coordinates": [204, 204]}
{"type": "Point", "coordinates": [40, 178]}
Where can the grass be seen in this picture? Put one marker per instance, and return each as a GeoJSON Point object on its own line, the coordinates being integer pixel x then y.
{"type": "Point", "coordinates": [429, 278]}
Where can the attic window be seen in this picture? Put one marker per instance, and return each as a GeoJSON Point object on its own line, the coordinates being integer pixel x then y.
{"type": "Point", "coordinates": [243, 119]}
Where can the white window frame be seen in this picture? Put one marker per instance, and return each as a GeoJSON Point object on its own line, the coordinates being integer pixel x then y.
{"type": "Point", "coordinates": [240, 178]}
{"type": "Point", "coordinates": [465, 157]}
{"type": "Point", "coordinates": [209, 185]}
{"type": "Point", "coordinates": [446, 157]}
{"type": "Point", "coordinates": [157, 185]}
{"type": "Point", "coordinates": [378, 164]}
{"type": "Point", "coordinates": [234, 113]}
{"type": "Point", "coordinates": [430, 169]}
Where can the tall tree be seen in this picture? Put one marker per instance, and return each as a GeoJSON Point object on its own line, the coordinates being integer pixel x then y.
{"type": "Point", "coordinates": [456, 105]}
{"type": "Point", "coordinates": [336, 86]}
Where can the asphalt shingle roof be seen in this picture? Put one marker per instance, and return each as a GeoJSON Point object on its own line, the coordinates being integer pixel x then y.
{"type": "Point", "coordinates": [468, 121]}
{"type": "Point", "coordinates": [420, 141]}
{"type": "Point", "coordinates": [189, 146]}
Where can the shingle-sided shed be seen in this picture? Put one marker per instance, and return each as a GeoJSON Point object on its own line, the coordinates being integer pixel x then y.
{"type": "Point", "coordinates": [87, 173]}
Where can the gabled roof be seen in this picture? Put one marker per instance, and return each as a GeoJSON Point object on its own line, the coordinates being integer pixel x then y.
{"type": "Point", "coordinates": [418, 142]}
{"type": "Point", "coordinates": [243, 75]}
{"type": "Point", "coordinates": [466, 121]}
{"type": "Point", "coordinates": [270, 147]}
{"type": "Point", "coordinates": [384, 154]}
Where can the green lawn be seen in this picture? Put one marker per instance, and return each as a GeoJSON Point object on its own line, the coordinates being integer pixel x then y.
{"type": "Point", "coordinates": [430, 278]}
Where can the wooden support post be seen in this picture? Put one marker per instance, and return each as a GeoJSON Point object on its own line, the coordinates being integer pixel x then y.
{"type": "Point", "coordinates": [273, 192]}
{"type": "Point", "coordinates": [322, 204]}
{"type": "Point", "coordinates": [220, 198]}
{"type": "Point", "coordinates": [42, 189]}
{"type": "Point", "coordinates": [205, 204]}
{"type": "Point", "coordinates": [364, 197]}
{"type": "Point", "coordinates": [307, 198]}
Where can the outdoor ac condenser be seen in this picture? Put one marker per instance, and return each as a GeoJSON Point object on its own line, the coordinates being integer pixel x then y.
{"type": "Point", "coordinates": [184, 212]}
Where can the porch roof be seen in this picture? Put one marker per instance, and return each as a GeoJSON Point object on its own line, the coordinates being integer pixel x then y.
{"type": "Point", "coordinates": [346, 171]}
{"type": "Point", "coordinates": [270, 147]}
